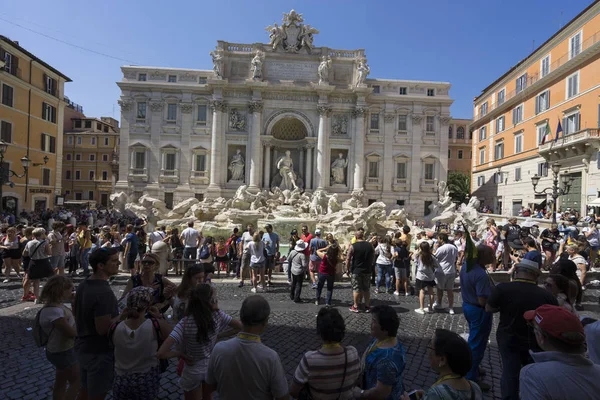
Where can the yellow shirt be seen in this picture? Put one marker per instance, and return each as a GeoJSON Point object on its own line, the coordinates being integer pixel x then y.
{"type": "Point", "coordinates": [83, 242]}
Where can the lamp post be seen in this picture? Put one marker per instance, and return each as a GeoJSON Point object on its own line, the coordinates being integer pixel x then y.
{"type": "Point", "coordinates": [5, 174]}
{"type": "Point", "coordinates": [555, 190]}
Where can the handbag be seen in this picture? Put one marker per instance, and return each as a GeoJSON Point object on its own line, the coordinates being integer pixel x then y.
{"type": "Point", "coordinates": [181, 363]}
{"type": "Point", "coordinates": [305, 392]}
{"type": "Point", "coordinates": [41, 268]}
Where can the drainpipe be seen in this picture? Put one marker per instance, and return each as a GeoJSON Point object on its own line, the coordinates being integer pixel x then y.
{"type": "Point", "coordinates": [28, 131]}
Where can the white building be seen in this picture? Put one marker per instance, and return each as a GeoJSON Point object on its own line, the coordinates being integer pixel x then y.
{"type": "Point", "coordinates": [184, 128]}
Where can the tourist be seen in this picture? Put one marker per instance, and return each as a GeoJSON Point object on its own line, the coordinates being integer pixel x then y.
{"type": "Point", "coordinates": [84, 240]}
{"type": "Point", "coordinates": [561, 370]}
{"type": "Point", "coordinates": [384, 264]}
{"type": "Point", "coordinates": [580, 262]}
{"type": "Point", "coordinates": [512, 299]}
{"type": "Point", "coordinates": [298, 265]}
{"type": "Point", "coordinates": [143, 248]}
{"type": "Point", "coordinates": [476, 240]}
{"type": "Point", "coordinates": [330, 239]}
{"type": "Point", "coordinates": [306, 237]}
{"type": "Point", "coordinates": [450, 358]}
{"type": "Point", "coordinates": [136, 341]}
{"type": "Point", "coordinates": [459, 243]}
{"type": "Point", "coordinates": [511, 233]}
{"type": "Point", "coordinates": [11, 256]}
{"type": "Point", "coordinates": [593, 238]}
{"type": "Point", "coordinates": [359, 262]}
{"type": "Point", "coordinates": [163, 289]}
{"type": "Point", "coordinates": [315, 244]}
{"type": "Point", "coordinates": [332, 370]}
{"type": "Point", "coordinates": [327, 269]}
{"type": "Point", "coordinates": [447, 257]}
{"type": "Point", "coordinates": [256, 249]}
{"type": "Point", "coordinates": [57, 247]}
{"type": "Point", "coordinates": [71, 253]}
{"type": "Point", "coordinates": [221, 256]}
{"type": "Point", "coordinates": [271, 241]}
{"type": "Point", "coordinates": [426, 265]}
{"type": "Point", "coordinates": [406, 236]}
{"type": "Point", "coordinates": [192, 277]}
{"type": "Point", "coordinates": [401, 258]}
{"type": "Point", "coordinates": [158, 235]}
{"type": "Point", "coordinates": [27, 295]}
{"type": "Point", "coordinates": [568, 269]}
{"type": "Point", "coordinates": [38, 251]}
{"type": "Point", "coordinates": [475, 289]}
{"type": "Point", "coordinates": [206, 256]}
{"type": "Point", "coordinates": [174, 241]}
{"type": "Point", "coordinates": [58, 324]}
{"type": "Point", "coordinates": [131, 249]}
{"type": "Point", "coordinates": [190, 238]}
{"type": "Point", "coordinates": [292, 243]}
{"type": "Point", "coordinates": [95, 310]}
{"type": "Point", "coordinates": [384, 359]}
{"type": "Point", "coordinates": [246, 239]}
{"type": "Point", "coordinates": [244, 368]}
{"type": "Point", "coordinates": [563, 289]}
{"type": "Point", "coordinates": [232, 253]}
{"type": "Point", "coordinates": [549, 239]}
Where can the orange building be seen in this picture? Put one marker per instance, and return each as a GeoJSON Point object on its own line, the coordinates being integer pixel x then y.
{"type": "Point", "coordinates": [459, 146]}
{"type": "Point", "coordinates": [516, 119]}
{"type": "Point", "coordinates": [31, 124]}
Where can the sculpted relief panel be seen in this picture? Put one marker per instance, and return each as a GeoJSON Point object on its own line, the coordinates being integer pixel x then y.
{"type": "Point", "coordinates": [297, 71]}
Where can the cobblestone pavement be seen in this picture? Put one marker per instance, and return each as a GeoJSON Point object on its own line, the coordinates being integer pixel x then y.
{"type": "Point", "coordinates": [25, 373]}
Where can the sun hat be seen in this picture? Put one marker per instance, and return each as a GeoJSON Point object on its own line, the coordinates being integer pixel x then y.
{"type": "Point", "coordinates": [529, 265]}
{"type": "Point", "coordinates": [558, 323]}
{"type": "Point", "coordinates": [300, 246]}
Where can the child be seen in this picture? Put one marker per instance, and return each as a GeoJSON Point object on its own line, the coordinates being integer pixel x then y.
{"type": "Point", "coordinates": [222, 260]}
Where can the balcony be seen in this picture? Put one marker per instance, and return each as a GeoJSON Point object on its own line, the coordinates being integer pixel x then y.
{"type": "Point", "coordinates": [169, 176]}
{"type": "Point", "coordinates": [373, 183]}
{"type": "Point", "coordinates": [400, 185]}
{"type": "Point", "coordinates": [138, 175]}
{"type": "Point", "coordinates": [428, 185]}
{"type": "Point", "coordinates": [199, 177]}
{"type": "Point", "coordinates": [589, 48]}
{"type": "Point", "coordinates": [579, 144]}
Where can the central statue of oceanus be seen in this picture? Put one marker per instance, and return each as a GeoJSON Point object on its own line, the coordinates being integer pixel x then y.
{"type": "Point", "coordinates": [285, 165]}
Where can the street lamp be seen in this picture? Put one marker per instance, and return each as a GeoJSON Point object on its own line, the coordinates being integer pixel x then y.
{"type": "Point", "coordinates": [555, 190]}
{"type": "Point", "coordinates": [6, 174]}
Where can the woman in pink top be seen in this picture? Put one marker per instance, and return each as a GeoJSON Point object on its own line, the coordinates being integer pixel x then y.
{"type": "Point", "coordinates": [327, 270]}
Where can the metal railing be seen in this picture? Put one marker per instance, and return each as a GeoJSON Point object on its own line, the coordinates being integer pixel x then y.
{"type": "Point", "coordinates": [581, 135]}
{"type": "Point", "coordinates": [199, 174]}
{"type": "Point", "coordinates": [139, 171]}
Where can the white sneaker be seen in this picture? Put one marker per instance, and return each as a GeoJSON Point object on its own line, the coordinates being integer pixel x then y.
{"type": "Point", "coordinates": [451, 311]}
{"type": "Point", "coordinates": [435, 305]}
{"type": "Point", "coordinates": [426, 309]}
{"type": "Point", "coordinates": [253, 290]}
{"type": "Point", "coordinates": [406, 294]}
{"type": "Point", "coordinates": [420, 311]}
{"type": "Point", "coordinates": [396, 293]}
{"type": "Point", "coordinates": [6, 280]}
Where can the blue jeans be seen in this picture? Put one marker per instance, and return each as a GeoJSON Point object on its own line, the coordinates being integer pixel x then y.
{"type": "Point", "coordinates": [84, 260]}
{"type": "Point", "coordinates": [381, 271]}
{"type": "Point", "coordinates": [480, 326]}
{"type": "Point", "coordinates": [322, 279]}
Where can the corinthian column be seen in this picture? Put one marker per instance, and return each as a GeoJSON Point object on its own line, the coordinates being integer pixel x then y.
{"type": "Point", "coordinates": [218, 107]}
{"type": "Point", "coordinates": [309, 167]}
{"type": "Point", "coordinates": [267, 170]}
{"type": "Point", "coordinates": [322, 166]}
{"type": "Point", "coordinates": [256, 108]}
{"type": "Point", "coordinates": [359, 150]}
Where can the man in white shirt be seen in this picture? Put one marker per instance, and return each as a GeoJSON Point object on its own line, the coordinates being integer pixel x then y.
{"type": "Point", "coordinates": [190, 238]}
{"type": "Point", "coordinates": [245, 265]}
{"type": "Point", "coordinates": [158, 235]}
{"type": "Point", "coordinates": [447, 255]}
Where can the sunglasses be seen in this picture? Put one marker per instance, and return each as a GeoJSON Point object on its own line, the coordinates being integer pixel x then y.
{"type": "Point", "coordinates": [148, 262]}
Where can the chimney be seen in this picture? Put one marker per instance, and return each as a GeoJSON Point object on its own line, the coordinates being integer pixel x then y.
{"type": "Point", "coordinates": [16, 42]}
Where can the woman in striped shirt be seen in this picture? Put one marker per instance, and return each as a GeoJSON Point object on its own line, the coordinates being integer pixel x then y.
{"type": "Point", "coordinates": [330, 372]}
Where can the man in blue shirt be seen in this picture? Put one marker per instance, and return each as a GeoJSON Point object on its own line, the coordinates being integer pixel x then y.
{"type": "Point", "coordinates": [271, 241]}
{"type": "Point", "coordinates": [315, 244]}
{"type": "Point", "coordinates": [475, 288]}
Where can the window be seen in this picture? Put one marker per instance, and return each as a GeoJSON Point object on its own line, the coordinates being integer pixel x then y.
{"type": "Point", "coordinates": [48, 143]}
{"type": "Point", "coordinates": [521, 83]}
{"type": "Point", "coordinates": [575, 45]}
{"type": "Point", "coordinates": [542, 169]}
{"type": "Point", "coordinates": [77, 175]}
{"type": "Point", "coordinates": [500, 97]}
{"type": "Point", "coordinates": [202, 112]}
{"type": "Point", "coordinates": [429, 124]}
{"type": "Point", "coordinates": [482, 133]}
{"type": "Point", "coordinates": [518, 143]}
{"type": "Point", "coordinates": [142, 77]}
{"type": "Point", "coordinates": [140, 159]}
{"type": "Point", "coordinates": [401, 170]}
{"type": "Point", "coordinates": [402, 123]}
{"type": "Point", "coordinates": [141, 110]}
{"type": "Point", "coordinates": [70, 140]}
{"type": "Point", "coordinates": [172, 78]}
{"type": "Point", "coordinates": [104, 175]}
{"type": "Point", "coordinates": [400, 203]}
{"type": "Point", "coordinates": [542, 102]}
{"type": "Point", "coordinates": [573, 85]}
{"type": "Point", "coordinates": [482, 155]}
{"type": "Point", "coordinates": [373, 169]}
{"type": "Point", "coordinates": [7, 95]}
{"type": "Point", "coordinates": [105, 128]}
{"type": "Point", "coordinates": [200, 164]}
{"type": "Point", "coordinates": [170, 162]}
{"type": "Point", "coordinates": [77, 157]}
{"type": "Point", "coordinates": [93, 140]}
{"type": "Point", "coordinates": [10, 63]}
{"type": "Point", "coordinates": [499, 151]}
{"type": "Point", "coordinates": [106, 141]}
{"type": "Point", "coordinates": [430, 92]}
{"type": "Point", "coordinates": [498, 177]}
{"type": "Point", "coordinates": [545, 66]}
{"type": "Point", "coordinates": [374, 122]}
{"type": "Point", "coordinates": [68, 156]}
{"type": "Point", "coordinates": [46, 176]}
{"type": "Point", "coordinates": [78, 139]}
{"type": "Point", "coordinates": [78, 123]}
{"type": "Point", "coordinates": [459, 154]}
{"type": "Point", "coordinates": [375, 89]}
{"type": "Point", "coordinates": [571, 123]}
{"type": "Point", "coordinates": [460, 132]}
{"type": "Point", "coordinates": [78, 196]}
{"type": "Point", "coordinates": [104, 157]}
{"type": "Point", "coordinates": [50, 85]}
{"type": "Point", "coordinates": [68, 174]}
{"type": "Point", "coordinates": [429, 171]}
{"type": "Point", "coordinates": [92, 174]}
{"type": "Point", "coordinates": [92, 157]}
{"type": "Point", "coordinates": [403, 91]}
{"type": "Point", "coordinates": [517, 115]}
{"type": "Point", "coordinates": [500, 124]}
{"type": "Point", "coordinates": [483, 109]}
{"type": "Point", "coordinates": [518, 174]}
{"type": "Point", "coordinates": [88, 124]}
{"type": "Point", "coordinates": [480, 180]}
{"type": "Point", "coordinates": [91, 195]}
{"type": "Point", "coordinates": [171, 112]}
{"type": "Point", "coordinates": [541, 132]}
{"type": "Point", "coordinates": [49, 112]}
{"type": "Point", "coordinates": [98, 126]}
{"type": "Point", "coordinates": [6, 131]}
{"type": "Point", "coordinates": [449, 153]}
{"type": "Point", "coordinates": [450, 132]}
{"type": "Point", "coordinates": [202, 80]}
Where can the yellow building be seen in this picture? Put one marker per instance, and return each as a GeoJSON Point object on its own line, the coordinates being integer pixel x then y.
{"type": "Point", "coordinates": [91, 163]}
{"type": "Point", "coordinates": [460, 138]}
{"type": "Point", "coordinates": [31, 123]}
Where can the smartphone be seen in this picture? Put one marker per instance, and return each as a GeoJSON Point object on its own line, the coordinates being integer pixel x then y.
{"type": "Point", "coordinates": [414, 395]}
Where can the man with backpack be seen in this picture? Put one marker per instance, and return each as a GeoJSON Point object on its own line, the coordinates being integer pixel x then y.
{"type": "Point", "coordinates": [315, 244]}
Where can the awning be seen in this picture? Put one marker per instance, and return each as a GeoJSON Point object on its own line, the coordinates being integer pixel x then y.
{"type": "Point", "coordinates": [595, 203]}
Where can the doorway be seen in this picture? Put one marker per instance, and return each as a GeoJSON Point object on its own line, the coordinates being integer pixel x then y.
{"type": "Point", "coordinates": [169, 200]}
{"type": "Point", "coordinates": [572, 200]}
{"type": "Point", "coordinates": [40, 205]}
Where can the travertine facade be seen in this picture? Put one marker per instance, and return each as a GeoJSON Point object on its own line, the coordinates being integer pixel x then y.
{"type": "Point", "coordinates": [205, 133]}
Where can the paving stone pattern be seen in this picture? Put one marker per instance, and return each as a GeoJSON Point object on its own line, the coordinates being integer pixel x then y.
{"type": "Point", "coordinates": [26, 374]}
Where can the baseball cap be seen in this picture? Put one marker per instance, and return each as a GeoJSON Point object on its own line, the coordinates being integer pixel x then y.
{"type": "Point", "coordinates": [317, 231]}
{"type": "Point", "coordinates": [516, 244]}
{"type": "Point", "coordinates": [529, 265]}
{"type": "Point", "coordinates": [558, 323]}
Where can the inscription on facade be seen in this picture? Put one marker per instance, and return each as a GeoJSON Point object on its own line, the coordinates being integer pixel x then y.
{"type": "Point", "coordinates": [298, 71]}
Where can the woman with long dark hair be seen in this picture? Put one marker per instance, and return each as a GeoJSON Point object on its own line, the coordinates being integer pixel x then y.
{"type": "Point", "coordinates": [330, 256]}
{"type": "Point", "coordinates": [195, 335]}
{"type": "Point", "coordinates": [192, 277]}
{"type": "Point", "coordinates": [426, 265]}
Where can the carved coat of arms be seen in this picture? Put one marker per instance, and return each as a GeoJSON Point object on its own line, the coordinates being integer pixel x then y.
{"type": "Point", "coordinates": [292, 35]}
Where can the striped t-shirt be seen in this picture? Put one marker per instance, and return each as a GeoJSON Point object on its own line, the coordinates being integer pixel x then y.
{"type": "Point", "coordinates": [324, 373]}
{"type": "Point", "coordinates": [187, 326]}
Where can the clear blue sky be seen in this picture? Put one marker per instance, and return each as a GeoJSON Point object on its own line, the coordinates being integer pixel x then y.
{"type": "Point", "coordinates": [468, 43]}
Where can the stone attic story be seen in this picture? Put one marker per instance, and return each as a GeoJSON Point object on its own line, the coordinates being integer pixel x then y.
{"type": "Point", "coordinates": [283, 115]}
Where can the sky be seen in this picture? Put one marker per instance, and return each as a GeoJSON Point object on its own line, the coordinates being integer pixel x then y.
{"type": "Point", "coordinates": [469, 43]}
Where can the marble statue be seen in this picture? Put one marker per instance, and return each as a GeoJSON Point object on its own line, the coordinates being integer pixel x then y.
{"type": "Point", "coordinates": [323, 70]}
{"type": "Point", "coordinates": [285, 165]}
{"type": "Point", "coordinates": [292, 35]}
{"type": "Point", "coordinates": [276, 35]}
{"type": "Point", "coordinates": [338, 175]}
{"type": "Point", "coordinates": [333, 204]}
{"type": "Point", "coordinates": [237, 122]}
{"type": "Point", "coordinates": [217, 59]}
{"type": "Point", "coordinates": [256, 65]}
{"type": "Point", "coordinates": [318, 203]}
{"type": "Point", "coordinates": [306, 41]}
{"type": "Point", "coordinates": [362, 70]}
{"type": "Point", "coordinates": [236, 166]}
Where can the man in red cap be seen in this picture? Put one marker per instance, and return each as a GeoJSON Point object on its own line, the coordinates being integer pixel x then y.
{"type": "Point", "coordinates": [561, 370]}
